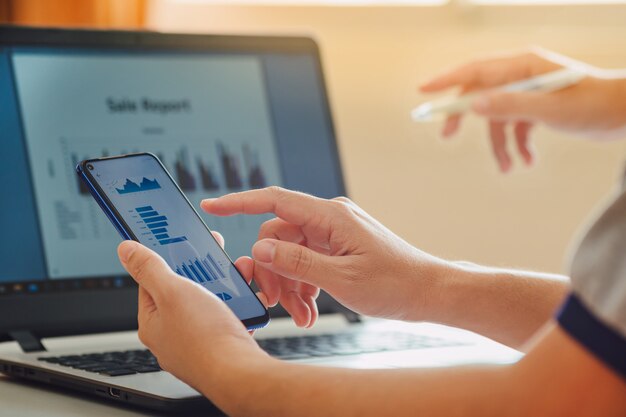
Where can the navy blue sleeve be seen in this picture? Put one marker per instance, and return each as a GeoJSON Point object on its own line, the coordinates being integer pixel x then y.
{"type": "Point", "coordinates": [605, 343]}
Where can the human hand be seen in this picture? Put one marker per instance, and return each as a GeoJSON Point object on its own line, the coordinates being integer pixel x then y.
{"type": "Point", "coordinates": [594, 107]}
{"type": "Point", "coordinates": [334, 245]}
{"type": "Point", "coordinates": [185, 326]}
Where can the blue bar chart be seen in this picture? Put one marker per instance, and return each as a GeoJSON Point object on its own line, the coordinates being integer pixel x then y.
{"type": "Point", "coordinates": [201, 270]}
{"type": "Point", "coordinates": [157, 225]}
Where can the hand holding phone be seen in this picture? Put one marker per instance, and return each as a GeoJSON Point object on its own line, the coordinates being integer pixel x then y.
{"type": "Point", "coordinates": [145, 204]}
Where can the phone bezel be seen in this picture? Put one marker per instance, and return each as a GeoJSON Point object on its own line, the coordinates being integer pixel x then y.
{"type": "Point", "coordinates": [125, 231]}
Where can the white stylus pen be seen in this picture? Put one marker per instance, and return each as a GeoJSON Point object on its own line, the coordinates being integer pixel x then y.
{"type": "Point", "coordinates": [550, 81]}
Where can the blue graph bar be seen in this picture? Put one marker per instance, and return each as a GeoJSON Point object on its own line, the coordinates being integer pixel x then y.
{"type": "Point", "coordinates": [196, 273]}
{"type": "Point", "coordinates": [158, 226]}
{"type": "Point", "coordinates": [201, 269]}
{"type": "Point", "coordinates": [154, 219]}
{"type": "Point", "coordinates": [179, 272]}
{"type": "Point", "coordinates": [174, 240]}
{"type": "Point", "coordinates": [210, 269]}
{"type": "Point", "coordinates": [187, 272]}
{"type": "Point", "coordinates": [149, 214]}
{"type": "Point", "coordinates": [216, 266]}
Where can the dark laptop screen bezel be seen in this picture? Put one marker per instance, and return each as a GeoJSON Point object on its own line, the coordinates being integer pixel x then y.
{"type": "Point", "coordinates": [94, 311]}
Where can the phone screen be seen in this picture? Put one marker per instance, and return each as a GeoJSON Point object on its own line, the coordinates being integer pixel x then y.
{"type": "Point", "coordinates": [158, 215]}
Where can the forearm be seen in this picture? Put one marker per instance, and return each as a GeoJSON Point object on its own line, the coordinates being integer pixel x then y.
{"type": "Point", "coordinates": [276, 389]}
{"type": "Point", "coordinates": [552, 380]}
{"type": "Point", "coordinates": [505, 305]}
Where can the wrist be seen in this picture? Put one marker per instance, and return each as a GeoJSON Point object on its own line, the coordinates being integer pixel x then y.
{"type": "Point", "coordinates": [611, 87]}
{"type": "Point", "coordinates": [232, 380]}
{"type": "Point", "coordinates": [448, 290]}
{"type": "Point", "coordinates": [430, 287]}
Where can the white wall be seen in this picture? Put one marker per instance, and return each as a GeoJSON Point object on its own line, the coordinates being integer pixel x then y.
{"type": "Point", "coordinates": [446, 198]}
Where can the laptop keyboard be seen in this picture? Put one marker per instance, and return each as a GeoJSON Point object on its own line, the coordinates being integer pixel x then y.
{"type": "Point", "coordinates": [348, 344]}
{"type": "Point", "coordinates": [142, 361]}
{"type": "Point", "coordinates": [109, 363]}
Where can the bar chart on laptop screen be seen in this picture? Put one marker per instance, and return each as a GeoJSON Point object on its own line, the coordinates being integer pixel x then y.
{"type": "Point", "coordinates": [226, 169]}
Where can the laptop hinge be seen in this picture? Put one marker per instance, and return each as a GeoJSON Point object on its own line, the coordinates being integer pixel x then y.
{"type": "Point", "coordinates": [27, 341]}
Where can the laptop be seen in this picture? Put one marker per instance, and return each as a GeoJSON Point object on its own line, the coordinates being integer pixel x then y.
{"type": "Point", "coordinates": [224, 114]}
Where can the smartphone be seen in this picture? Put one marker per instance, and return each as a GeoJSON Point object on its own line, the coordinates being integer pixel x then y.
{"type": "Point", "coordinates": [145, 204]}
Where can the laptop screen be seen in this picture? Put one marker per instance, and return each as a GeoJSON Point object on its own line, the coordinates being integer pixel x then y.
{"type": "Point", "coordinates": [221, 120]}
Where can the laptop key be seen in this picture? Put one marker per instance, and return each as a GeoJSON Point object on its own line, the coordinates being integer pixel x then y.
{"type": "Point", "coordinates": [146, 369]}
{"type": "Point", "coordinates": [69, 363]}
{"type": "Point", "coordinates": [321, 353]}
{"type": "Point", "coordinates": [292, 356]}
{"type": "Point", "coordinates": [98, 369]}
{"type": "Point", "coordinates": [86, 365]}
{"type": "Point", "coordinates": [70, 358]}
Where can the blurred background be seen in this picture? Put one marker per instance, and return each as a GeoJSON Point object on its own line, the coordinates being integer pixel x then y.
{"type": "Point", "coordinates": [445, 197]}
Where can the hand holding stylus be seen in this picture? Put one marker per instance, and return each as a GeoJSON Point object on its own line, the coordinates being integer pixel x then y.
{"type": "Point", "coordinates": [582, 108]}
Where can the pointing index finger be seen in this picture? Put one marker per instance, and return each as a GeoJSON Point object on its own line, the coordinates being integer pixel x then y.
{"type": "Point", "coordinates": [291, 206]}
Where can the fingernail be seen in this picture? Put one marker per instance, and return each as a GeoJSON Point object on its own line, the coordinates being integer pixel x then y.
{"type": "Point", "coordinates": [481, 104]}
{"type": "Point", "coordinates": [263, 251]}
{"type": "Point", "coordinates": [126, 249]}
{"type": "Point", "coordinates": [447, 131]}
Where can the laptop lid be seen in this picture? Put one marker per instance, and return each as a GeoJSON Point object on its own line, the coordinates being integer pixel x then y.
{"type": "Point", "coordinates": [224, 113]}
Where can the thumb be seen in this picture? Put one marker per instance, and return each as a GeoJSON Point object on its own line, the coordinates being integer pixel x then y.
{"type": "Point", "coordinates": [531, 106]}
{"type": "Point", "coordinates": [295, 261]}
{"type": "Point", "coordinates": [146, 267]}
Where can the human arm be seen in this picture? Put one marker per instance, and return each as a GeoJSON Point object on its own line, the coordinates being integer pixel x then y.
{"type": "Point", "coordinates": [506, 305]}
{"type": "Point", "coordinates": [335, 245]}
{"type": "Point", "coordinates": [552, 380]}
{"type": "Point", "coordinates": [593, 108]}
{"type": "Point", "coordinates": [222, 361]}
